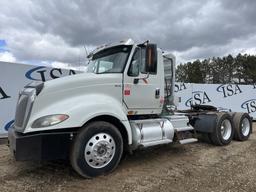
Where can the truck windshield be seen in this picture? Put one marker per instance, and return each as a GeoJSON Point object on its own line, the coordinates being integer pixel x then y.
{"type": "Point", "coordinates": [111, 60]}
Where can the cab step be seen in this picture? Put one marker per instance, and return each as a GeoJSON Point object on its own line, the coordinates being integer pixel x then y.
{"type": "Point", "coordinates": [180, 129]}
{"type": "Point", "coordinates": [184, 133]}
{"type": "Point", "coordinates": [186, 141]}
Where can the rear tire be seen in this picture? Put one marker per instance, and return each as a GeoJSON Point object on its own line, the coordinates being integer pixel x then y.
{"type": "Point", "coordinates": [223, 131]}
{"type": "Point", "coordinates": [96, 150]}
{"type": "Point", "coordinates": [242, 126]}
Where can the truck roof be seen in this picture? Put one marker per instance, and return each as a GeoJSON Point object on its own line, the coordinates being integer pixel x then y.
{"type": "Point", "coordinates": [104, 46]}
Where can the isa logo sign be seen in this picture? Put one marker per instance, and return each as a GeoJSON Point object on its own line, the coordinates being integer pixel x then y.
{"type": "Point", "coordinates": [198, 98]}
{"type": "Point", "coordinates": [44, 73]}
{"type": "Point", "coordinates": [249, 105]}
{"type": "Point", "coordinates": [229, 90]}
{"type": "Point", "coordinates": [179, 87]}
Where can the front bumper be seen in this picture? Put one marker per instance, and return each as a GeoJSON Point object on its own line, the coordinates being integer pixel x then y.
{"type": "Point", "coordinates": [39, 146]}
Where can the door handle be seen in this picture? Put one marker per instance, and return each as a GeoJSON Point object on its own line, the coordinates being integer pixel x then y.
{"type": "Point", "coordinates": [157, 93]}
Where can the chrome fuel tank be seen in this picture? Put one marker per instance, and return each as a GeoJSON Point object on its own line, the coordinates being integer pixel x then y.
{"type": "Point", "coordinates": [151, 132]}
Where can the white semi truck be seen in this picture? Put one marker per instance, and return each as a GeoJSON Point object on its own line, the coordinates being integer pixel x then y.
{"type": "Point", "coordinates": [125, 101]}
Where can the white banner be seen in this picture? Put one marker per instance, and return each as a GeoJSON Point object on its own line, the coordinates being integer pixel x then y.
{"type": "Point", "coordinates": [234, 97]}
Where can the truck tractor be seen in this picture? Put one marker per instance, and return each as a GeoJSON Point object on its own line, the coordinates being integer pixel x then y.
{"type": "Point", "coordinates": [123, 102]}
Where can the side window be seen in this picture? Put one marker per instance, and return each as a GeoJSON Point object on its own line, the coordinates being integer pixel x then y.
{"type": "Point", "coordinates": [143, 61]}
{"type": "Point", "coordinates": [138, 63]}
{"type": "Point", "coordinates": [143, 67]}
{"type": "Point", "coordinates": [134, 68]}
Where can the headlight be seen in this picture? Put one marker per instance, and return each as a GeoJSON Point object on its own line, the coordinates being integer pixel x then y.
{"type": "Point", "coordinates": [49, 120]}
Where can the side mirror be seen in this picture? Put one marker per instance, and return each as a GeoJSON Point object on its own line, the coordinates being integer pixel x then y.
{"type": "Point", "coordinates": [151, 58]}
{"type": "Point", "coordinates": [136, 80]}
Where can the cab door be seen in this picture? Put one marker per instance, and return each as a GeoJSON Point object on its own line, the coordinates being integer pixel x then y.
{"type": "Point", "coordinates": [143, 90]}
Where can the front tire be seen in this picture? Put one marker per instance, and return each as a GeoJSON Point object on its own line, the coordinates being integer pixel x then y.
{"type": "Point", "coordinates": [96, 150]}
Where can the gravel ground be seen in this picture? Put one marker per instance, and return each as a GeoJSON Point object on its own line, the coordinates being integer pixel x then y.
{"type": "Point", "coordinates": [192, 167]}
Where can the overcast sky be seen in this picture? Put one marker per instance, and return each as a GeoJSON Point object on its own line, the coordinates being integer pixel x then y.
{"type": "Point", "coordinates": [46, 31]}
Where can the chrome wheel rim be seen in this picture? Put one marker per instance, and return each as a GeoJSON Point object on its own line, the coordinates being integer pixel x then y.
{"type": "Point", "coordinates": [245, 127]}
{"type": "Point", "coordinates": [100, 150]}
{"type": "Point", "coordinates": [226, 129]}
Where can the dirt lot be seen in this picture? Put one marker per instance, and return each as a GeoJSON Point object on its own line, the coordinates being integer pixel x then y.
{"type": "Point", "coordinates": [193, 167]}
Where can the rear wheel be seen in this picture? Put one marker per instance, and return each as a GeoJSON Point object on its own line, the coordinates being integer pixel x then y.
{"type": "Point", "coordinates": [242, 126]}
{"type": "Point", "coordinates": [224, 130]}
{"type": "Point", "coordinates": [97, 149]}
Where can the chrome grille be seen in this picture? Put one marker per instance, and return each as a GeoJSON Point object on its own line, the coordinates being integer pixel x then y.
{"type": "Point", "coordinates": [20, 110]}
{"type": "Point", "coordinates": [23, 108]}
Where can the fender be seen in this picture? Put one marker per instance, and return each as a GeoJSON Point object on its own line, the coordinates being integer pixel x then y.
{"type": "Point", "coordinates": [204, 123]}
{"type": "Point", "coordinates": [80, 110]}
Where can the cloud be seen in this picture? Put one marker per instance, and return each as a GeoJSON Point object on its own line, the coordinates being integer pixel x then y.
{"type": "Point", "coordinates": [58, 30]}
{"type": "Point", "coordinates": [7, 57]}
{"type": "Point", "coordinates": [244, 45]}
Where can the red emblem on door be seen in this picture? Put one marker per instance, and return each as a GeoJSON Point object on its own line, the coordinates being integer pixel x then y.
{"type": "Point", "coordinates": [127, 92]}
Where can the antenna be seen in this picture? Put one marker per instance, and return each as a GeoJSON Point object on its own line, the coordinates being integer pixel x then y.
{"type": "Point", "coordinates": [86, 52]}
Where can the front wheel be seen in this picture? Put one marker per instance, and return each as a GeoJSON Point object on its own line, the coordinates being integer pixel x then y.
{"type": "Point", "coordinates": [97, 149]}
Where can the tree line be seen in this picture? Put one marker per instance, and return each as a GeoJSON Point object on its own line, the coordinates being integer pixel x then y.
{"type": "Point", "coordinates": [221, 70]}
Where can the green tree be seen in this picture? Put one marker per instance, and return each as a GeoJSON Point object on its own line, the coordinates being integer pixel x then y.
{"type": "Point", "coordinates": [228, 69]}
{"type": "Point", "coordinates": [190, 72]}
{"type": "Point", "coordinates": [249, 69]}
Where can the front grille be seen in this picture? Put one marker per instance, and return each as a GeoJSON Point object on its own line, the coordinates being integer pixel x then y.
{"type": "Point", "coordinates": [23, 108]}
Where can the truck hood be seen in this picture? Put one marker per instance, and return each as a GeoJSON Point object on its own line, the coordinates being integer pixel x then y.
{"type": "Point", "coordinates": [77, 96]}
{"type": "Point", "coordinates": [80, 81]}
